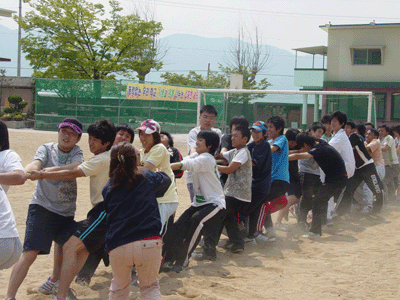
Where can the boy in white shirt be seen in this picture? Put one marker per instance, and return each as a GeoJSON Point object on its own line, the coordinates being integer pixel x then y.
{"type": "Point", "coordinates": [207, 118]}
{"type": "Point", "coordinates": [237, 188]}
{"type": "Point", "coordinates": [207, 209]}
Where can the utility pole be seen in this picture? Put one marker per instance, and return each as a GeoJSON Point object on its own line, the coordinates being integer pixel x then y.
{"type": "Point", "coordinates": [208, 72]}
{"type": "Point", "coordinates": [19, 41]}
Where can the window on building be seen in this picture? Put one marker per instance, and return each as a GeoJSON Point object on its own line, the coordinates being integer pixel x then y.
{"type": "Point", "coordinates": [380, 100]}
{"type": "Point", "coordinates": [367, 56]}
{"type": "Point", "coordinates": [395, 107]}
{"type": "Point", "coordinates": [356, 107]}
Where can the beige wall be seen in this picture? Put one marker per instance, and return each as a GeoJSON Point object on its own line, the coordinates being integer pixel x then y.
{"type": "Point", "coordinates": [340, 66]}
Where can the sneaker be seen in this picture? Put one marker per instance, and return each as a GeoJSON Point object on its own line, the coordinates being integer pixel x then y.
{"type": "Point", "coordinates": [49, 287]}
{"type": "Point", "coordinates": [281, 227]}
{"type": "Point", "coordinates": [83, 281]}
{"type": "Point", "coordinates": [334, 214]}
{"type": "Point", "coordinates": [203, 256]}
{"type": "Point", "coordinates": [179, 268]}
{"type": "Point", "coordinates": [228, 245]}
{"type": "Point", "coordinates": [329, 222]}
{"type": "Point", "coordinates": [166, 267]}
{"type": "Point", "coordinates": [366, 210]}
{"type": "Point", "coordinates": [250, 240]}
{"type": "Point", "coordinates": [71, 295]}
{"type": "Point", "coordinates": [311, 234]}
{"type": "Point", "coordinates": [270, 232]}
{"type": "Point", "coordinates": [237, 248]}
{"type": "Point", "coordinates": [261, 238]}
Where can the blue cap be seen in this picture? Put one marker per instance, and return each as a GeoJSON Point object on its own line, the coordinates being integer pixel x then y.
{"type": "Point", "coordinates": [259, 126]}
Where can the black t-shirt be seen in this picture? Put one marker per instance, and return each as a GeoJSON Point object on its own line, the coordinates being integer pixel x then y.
{"type": "Point", "coordinates": [360, 152]}
{"type": "Point", "coordinates": [294, 168]}
{"type": "Point", "coordinates": [262, 160]}
{"type": "Point", "coordinates": [226, 141]}
{"type": "Point", "coordinates": [329, 160]}
{"type": "Point", "coordinates": [175, 156]}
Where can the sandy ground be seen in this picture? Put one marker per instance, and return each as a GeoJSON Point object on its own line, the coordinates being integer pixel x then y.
{"type": "Point", "coordinates": [356, 259]}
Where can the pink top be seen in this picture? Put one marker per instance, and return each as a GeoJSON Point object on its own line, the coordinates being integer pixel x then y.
{"type": "Point", "coordinates": [375, 146]}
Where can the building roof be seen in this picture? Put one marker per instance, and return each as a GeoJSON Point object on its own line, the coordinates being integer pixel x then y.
{"type": "Point", "coordinates": [19, 82]}
{"type": "Point", "coordinates": [6, 13]}
{"type": "Point", "coordinates": [330, 26]}
{"type": "Point", "coordinates": [322, 50]}
{"type": "Point", "coordinates": [5, 59]}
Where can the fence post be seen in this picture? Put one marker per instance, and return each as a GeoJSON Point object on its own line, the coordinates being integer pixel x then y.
{"type": "Point", "coordinates": [304, 113]}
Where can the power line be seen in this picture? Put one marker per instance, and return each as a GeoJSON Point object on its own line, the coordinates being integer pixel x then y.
{"type": "Point", "coordinates": [260, 11]}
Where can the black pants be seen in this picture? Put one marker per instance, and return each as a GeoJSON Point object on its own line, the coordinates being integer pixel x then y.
{"type": "Point", "coordinates": [186, 233]}
{"type": "Point", "coordinates": [310, 184]}
{"type": "Point", "coordinates": [233, 208]}
{"type": "Point", "coordinates": [370, 176]}
{"type": "Point", "coordinates": [320, 202]}
{"type": "Point", "coordinates": [278, 188]}
{"type": "Point", "coordinates": [92, 263]}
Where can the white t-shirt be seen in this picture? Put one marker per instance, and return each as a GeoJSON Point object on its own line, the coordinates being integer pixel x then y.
{"type": "Point", "coordinates": [191, 142]}
{"type": "Point", "coordinates": [97, 168]}
{"type": "Point", "coordinates": [341, 143]}
{"type": "Point", "coordinates": [240, 157]}
{"type": "Point", "coordinates": [206, 184]}
{"type": "Point", "coordinates": [9, 161]}
{"type": "Point", "coordinates": [390, 156]}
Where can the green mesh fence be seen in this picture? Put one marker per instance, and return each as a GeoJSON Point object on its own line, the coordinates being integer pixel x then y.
{"type": "Point", "coordinates": [263, 106]}
{"type": "Point", "coordinates": [356, 107]}
{"type": "Point", "coordinates": [254, 107]}
{"type": "Point", "coordinates": [90, 100]}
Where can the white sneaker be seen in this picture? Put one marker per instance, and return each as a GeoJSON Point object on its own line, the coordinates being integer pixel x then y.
{"type": "Point", "coordinates": [250, 241]}
{"type": "Point", "coordinates": [49, 287]}
{"type": "Point", "coordinates": [311, 235]}
{"type": "Point", "coordinates": [261, 238]}
{"type": "Point", "coordinates": [281, 227]}
{"type": "Point", "coordinates": [270, 232]}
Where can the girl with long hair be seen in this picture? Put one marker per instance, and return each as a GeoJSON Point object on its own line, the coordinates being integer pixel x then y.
{"type": "Point", "coordinates": [133, 223]}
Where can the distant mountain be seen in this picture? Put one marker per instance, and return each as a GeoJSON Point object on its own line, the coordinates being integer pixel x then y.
{"type": "Point", "coordinates": [191, 52]}
{"type": "Point", "coordinates": [185, 52]}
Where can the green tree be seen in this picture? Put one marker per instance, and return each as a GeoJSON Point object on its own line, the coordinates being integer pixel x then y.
{"type": "Point", "coordinates": [72, 39]}
{"type": "Point", "coordinates": [212, 80]}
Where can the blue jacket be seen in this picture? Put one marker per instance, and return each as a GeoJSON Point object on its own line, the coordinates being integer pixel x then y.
{"type": "Point", "coordinates": [133, 215]}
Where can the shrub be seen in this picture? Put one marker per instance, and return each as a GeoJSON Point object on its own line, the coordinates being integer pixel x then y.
{"type": "Point", "coordinates": [7, 116]}
{"type": "Point", "coordinates": [14, 99]}
{"type": "Point", "coordinates": [21, 105]}
{"type": "Point", "coordinates": [8, 110]}
{"type": "Point", "coordinates": [18, 117]}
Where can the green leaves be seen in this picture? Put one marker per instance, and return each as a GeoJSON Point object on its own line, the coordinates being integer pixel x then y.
{"type": "Point", "coordinates": [75, 39]}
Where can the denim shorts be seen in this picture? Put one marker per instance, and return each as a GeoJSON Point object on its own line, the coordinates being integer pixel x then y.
{"type": "Point", "coordinates": [43, 227]}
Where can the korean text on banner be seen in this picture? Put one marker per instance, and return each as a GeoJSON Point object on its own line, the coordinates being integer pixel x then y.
{"type": "Point", "coordinates": [161, 92]}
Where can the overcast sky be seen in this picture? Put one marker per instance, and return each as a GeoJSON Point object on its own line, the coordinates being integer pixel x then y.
{"type": "Point", "coordinates": [286, 24]}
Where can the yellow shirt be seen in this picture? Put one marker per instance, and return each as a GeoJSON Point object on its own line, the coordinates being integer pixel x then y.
{"type": "Point", "coordinates": [160, 158]}
{"type": "Point", "coordinates": [97, 168]}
